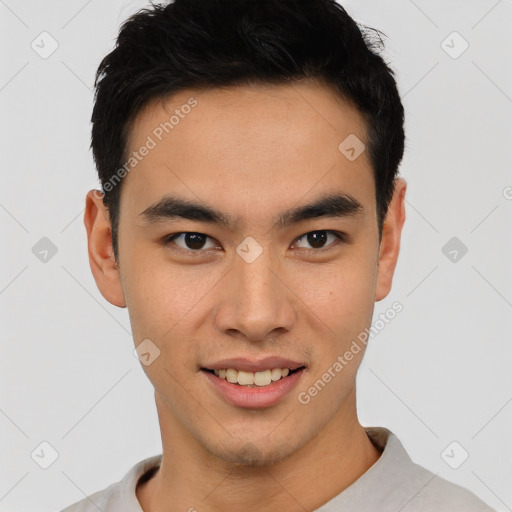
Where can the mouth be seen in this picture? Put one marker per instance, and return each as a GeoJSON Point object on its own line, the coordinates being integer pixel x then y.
{"type": "Point", "coordinates": [249, 384]}
{"type": "Point", "coordinates": [248, 379]}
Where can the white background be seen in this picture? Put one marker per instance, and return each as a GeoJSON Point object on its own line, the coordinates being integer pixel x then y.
{"type": "Point", "coordinates": [440, 372]}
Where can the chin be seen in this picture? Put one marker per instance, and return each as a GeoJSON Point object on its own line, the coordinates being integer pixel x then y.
{"type": "Point", "coordinates": [253, 455]}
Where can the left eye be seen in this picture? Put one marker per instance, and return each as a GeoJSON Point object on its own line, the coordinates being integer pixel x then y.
{"type": "Point", "coordinates": [318, 239]}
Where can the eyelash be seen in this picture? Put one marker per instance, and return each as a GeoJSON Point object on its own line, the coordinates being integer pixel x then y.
{"type": "Point", "coordinates": [341, 237]}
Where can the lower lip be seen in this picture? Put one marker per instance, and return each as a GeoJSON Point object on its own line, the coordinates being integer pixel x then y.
{"type": "Point", "coordinates": [256, 397]}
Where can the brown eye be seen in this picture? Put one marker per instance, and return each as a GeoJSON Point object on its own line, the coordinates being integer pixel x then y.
{"type": "Point", "coordinates": [319, 239]}
{"type": "Point", "coordinates": [190, 241]}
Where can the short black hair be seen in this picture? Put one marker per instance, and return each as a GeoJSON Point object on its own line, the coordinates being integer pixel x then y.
{"type": "Point", "coordinates": [167, 48]}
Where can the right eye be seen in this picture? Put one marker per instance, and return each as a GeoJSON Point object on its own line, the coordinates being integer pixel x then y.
{"type": "Point", "coordinates": [189, 241]}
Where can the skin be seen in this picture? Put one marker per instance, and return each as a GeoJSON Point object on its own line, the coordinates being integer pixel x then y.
{"type": "Point", "coordinates": [251, 152]}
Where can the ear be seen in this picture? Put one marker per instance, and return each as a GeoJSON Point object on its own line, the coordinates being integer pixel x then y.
{"type": "Point", "coordinates": [390, 241]}
{"type": "Point", "coordinates": [101, 255]}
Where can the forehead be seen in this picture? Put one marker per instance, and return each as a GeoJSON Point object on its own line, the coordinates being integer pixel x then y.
{"type": "Point", "coordinates": [248, 146]}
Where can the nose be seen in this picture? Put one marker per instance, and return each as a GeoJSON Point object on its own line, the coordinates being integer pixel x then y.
{"type": "Point", "coordinates": [256, 303]}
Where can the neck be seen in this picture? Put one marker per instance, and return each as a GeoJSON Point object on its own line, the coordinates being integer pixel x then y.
{"type": "Point", "coordinates": [190, 479]}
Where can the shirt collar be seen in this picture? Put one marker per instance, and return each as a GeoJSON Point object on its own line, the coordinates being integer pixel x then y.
{"type": "Point", "coordinates": [390, 467]}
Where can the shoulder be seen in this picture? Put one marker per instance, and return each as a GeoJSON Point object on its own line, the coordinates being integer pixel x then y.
{"type": "Point", "coordinates": [106, 500]}
{"type": "Point", "coordinates": [395, 482]}
{"type": "Point", "coordinates": [440, 495]}
{"type": "Point", "coordinates": [425, 491]}
{"type": "Point", "coordinates": [120, 496]}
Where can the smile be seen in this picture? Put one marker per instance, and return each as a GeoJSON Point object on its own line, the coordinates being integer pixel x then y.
{"type": "Point", "coordinates": [253, 390]}
{"type": "Point", "coordinates": [253, 379]}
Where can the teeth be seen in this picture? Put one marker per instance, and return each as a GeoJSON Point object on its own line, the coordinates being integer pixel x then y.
{"type": "Point", "coordinates": [231, 375]}
{"type": "Point", "coordinates": [263, 378]}
{"type": "Point", "coordinates": [245, 378]}
{"type": "Point", "coordinates": [251, 379]}
{"type": "Point", "coordinates": [276, 373]}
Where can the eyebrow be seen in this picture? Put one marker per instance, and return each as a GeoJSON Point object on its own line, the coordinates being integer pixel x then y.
{"type": "Point", "coordinates": [335, 205]}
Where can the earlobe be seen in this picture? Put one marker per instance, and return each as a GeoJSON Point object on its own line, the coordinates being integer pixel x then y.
{"type": "Point", "coordinates": [390, 242]}
{"type": "Point", "coordinates": [101, 256]}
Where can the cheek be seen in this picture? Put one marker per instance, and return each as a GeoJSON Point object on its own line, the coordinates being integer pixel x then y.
{"type": "Point", "coordinates": [340, 294]}
{"type": "Point", "coordinates": [344, 301]}
{"type": "Point", "coordinates": [163, 298]}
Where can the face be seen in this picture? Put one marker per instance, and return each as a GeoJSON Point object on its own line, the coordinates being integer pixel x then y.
{"type": "Point", "coordinates": [244, 276]}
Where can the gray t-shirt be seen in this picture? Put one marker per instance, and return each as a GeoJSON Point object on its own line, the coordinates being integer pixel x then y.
{"type": "Point", "coordinates": [394, 483]}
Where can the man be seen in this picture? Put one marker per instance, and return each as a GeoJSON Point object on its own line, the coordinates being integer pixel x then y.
{"type": "Point", "coordinates": [250, 218]}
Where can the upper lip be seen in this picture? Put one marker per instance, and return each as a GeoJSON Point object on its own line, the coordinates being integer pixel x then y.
{"type": "Point", "coordinates": [249, 365]}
